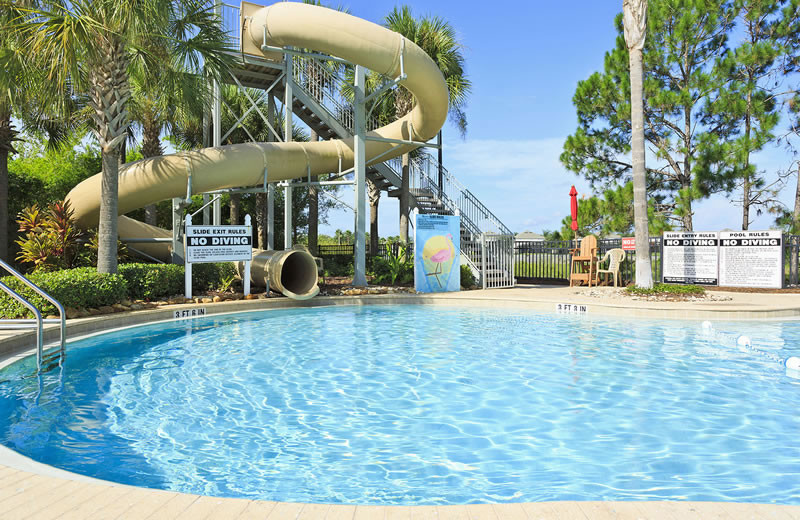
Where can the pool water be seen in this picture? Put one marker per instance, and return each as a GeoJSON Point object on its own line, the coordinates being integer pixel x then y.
{"type": "Point", "coordinates": [419, 405]}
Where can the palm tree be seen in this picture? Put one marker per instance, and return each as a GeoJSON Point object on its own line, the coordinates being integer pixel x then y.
{"type": "Point", "coordinates": [438, 38]}
{"type": "Point", "coordinates": [92, 46]}
{"type": "Point", "coordinates": [153, 106]}
{"type": "Point", "coordinates": [635, 18]}
{"type": "Point", "coordinates": [24, 96]}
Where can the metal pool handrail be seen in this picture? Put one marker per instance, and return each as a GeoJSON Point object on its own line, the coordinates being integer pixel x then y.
{"type": "Point", "coordinates": [37, 322]}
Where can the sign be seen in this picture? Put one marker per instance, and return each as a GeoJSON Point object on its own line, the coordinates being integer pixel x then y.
{"type": "Point", "coordinates": [690, 258]}
{"type": "Point", "coordinates": [629, 243]}
{"type": "Point", "coordinates": [437, 253]}
{"type": "Point", "coordinates": [751, 259]}
{"type": "Point", "coordinates": [188, 313]}
{"type": "Point", "coordinates": [571, 308]}
{"type": "Point", "coordinates": [205, 244]}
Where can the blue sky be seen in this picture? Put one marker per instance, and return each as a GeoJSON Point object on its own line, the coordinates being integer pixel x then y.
{"type": "Point", "coordinates": [524, 60]}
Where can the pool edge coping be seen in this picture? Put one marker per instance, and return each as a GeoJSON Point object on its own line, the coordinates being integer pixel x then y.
{"type": "Point", "coordinates": [13, 348]}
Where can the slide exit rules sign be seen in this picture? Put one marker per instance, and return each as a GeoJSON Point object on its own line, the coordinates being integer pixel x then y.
{"type": "Point", "coordinates": [218, 244]}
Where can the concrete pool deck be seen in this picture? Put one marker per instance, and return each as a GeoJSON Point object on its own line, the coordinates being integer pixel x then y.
{"type": "Point", "coordinates": [35, 491]}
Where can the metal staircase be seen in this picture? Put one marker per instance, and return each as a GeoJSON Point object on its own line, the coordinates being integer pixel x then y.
{"type": "Point", "coordinates": [321, 105]}
{"type": "Point", "coordinates": [45, 360]}
{"type": "Point", "coordinates": [319, 100]}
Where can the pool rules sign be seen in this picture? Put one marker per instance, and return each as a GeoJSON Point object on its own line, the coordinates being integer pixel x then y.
{"type": "Point", "coordinates": [751, 259]}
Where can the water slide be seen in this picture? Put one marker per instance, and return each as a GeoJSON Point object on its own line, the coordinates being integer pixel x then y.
{"type": "Point", "coordinates": [284, 24]}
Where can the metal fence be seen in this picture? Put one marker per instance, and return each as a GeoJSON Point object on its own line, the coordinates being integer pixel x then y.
{"type": "Point", "coordinates": [384, 250]}
{"type": "Point", "coordinates": [497, 261]}
{"type": "Point", "coordinates": [791, 252]}
{"type": "Point", "coordinates": [549, 261]}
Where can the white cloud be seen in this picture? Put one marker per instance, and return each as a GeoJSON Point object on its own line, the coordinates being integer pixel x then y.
{"type": "Point", "coordinates": [525, 185]}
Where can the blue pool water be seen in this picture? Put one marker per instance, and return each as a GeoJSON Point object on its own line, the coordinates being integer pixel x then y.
{"type": "Point", "coordinates": [420, 405]}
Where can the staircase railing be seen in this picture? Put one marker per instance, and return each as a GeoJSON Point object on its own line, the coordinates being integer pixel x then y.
{"type": "Point", "coordinates": [325, 83]}
{"type": "Point", "coordinates": [37, 322]}
{"type": "Point", "coordinates": [453, 194]}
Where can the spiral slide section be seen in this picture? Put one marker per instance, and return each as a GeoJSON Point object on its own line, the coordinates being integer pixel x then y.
{"type": "Point", "coordinates": [302, 26]}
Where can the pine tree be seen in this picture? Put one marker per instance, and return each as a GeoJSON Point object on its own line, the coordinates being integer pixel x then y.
{"type": "Point", "coordinates": [747, 102]}
{"type": "Point", "coordinates": [684, 40]}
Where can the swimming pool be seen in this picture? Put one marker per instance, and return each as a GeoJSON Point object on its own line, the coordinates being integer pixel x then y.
{"type": "Point", "coordinates": [412, 404]}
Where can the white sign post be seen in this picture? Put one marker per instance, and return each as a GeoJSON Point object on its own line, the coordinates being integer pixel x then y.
{"type": "Point", "coordinates": [690, 258]}
{"type": "Point", "coordinates": [751, 259]}
{"type": "Point", "coordinates": [208, 244]}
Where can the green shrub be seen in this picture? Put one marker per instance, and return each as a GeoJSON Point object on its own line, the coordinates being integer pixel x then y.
{"type": "Point", "coordinates": [81, 287]}
{"type": "Point", "coordinates": [339, 265]}
{"type": "Point", "coordinates": [150, 281]}
{"type": "Point", "coordinates": [467, 277]}
{"type": "Point", "coordinates": [211, 277]}
{"type": "Point", "coordinates": [665, 288]}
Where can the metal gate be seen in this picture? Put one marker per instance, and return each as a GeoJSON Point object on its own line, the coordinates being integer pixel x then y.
{"type": "Point", "coordinates": [497, 261]}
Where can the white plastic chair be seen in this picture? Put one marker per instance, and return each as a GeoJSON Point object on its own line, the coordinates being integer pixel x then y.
{"type": "Point", "coordinates": [616, 256]}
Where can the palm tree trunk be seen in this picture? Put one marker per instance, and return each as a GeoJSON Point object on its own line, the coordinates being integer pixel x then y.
{"type": "Point", "coordinates": [108, 94]}
{"type": "Point", "coordinates": [261, 219]}
{"type": "Point", "coordinates": [7, 137]}
{"type": "Point", "coordinates": [313, 209]}
{"type": "Point", "coordinates": [404, 187]}
{"type": "Point", "coordinates": [151, 147]}
{"type": "Point", "coordinates": [644, 272]}
{"type": "Point", "coordinates": [635, 12]}
{"type": "Point", "coordinates": [236, 199]}
{"type": "Point", "coordinates": [107, 229]}
{"type": "Point", "coordinates": [374, 194]}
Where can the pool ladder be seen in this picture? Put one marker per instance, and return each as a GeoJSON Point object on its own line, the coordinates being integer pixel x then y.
{"type": "Point", "coordinates": [44, 360]}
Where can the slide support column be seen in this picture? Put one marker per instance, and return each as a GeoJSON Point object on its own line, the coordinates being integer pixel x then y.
{"type": "Point", "coordinates": [287, 137]}
{"type": "Point", "coordinates": [217, 125]}
{"type": "Point", "coordinates": [359, 149]}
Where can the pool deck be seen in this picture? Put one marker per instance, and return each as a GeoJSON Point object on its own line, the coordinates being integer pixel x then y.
{"type": "Point", "coordinates": [35, 491]}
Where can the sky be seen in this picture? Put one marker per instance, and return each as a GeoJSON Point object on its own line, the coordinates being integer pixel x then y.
{"type": "Point", "coordinates": [524, 60]}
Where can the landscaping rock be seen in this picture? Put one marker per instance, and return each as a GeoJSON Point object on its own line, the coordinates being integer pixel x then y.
{"type": "Point", "coordinates": [217, 299]}
{"type": "Point", "coordinates": [71, 313]}
{"type": "Point", "coordinates": [106, 309]}
{"type": "Point", "coordinates": [126, 303]}
{"type": "Point", "coordinates": [118, 307]}
{"type": "Point", "coordinates": [206, 300]}
{"type": "Point", "coordinates": [94, 312]}
{"type": "Point", "coordinates": [237, 296]}
{"type": "Point", "coordinates": [251, 297]}
{"type": "Point", "coordinates": [82, 313]}
{"type": "Point", "coordinates": [51, 317]}
{"type": "Point", "coordinates": [137, 306]}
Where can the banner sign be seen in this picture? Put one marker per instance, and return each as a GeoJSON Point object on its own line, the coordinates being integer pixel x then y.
{"type": "Point", "coordinates": [691, 258]}
{"type": "Point", "coordinates": [437, 253]}
{"type": "Point", "coordinates": [751, 259]}
{"type": "Point", "coordinates": [629, 244]}
{"type": "Point", "coordinates": [206, 244]}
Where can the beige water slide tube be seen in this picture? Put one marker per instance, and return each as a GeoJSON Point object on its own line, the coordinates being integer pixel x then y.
{"type": "Point", "coordinates": [301, 26]}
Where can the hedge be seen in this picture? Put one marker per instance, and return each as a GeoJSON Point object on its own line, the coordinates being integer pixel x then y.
{"type": "Point", "coordinates": [84, 287]}
{"type": "Point", "coordinates": [149, 281]}
{"type": "Point", "coordinates": [81, 287]}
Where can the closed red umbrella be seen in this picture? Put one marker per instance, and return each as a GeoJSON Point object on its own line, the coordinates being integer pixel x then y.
{"type": "Point", "coordinates": [573, 207]}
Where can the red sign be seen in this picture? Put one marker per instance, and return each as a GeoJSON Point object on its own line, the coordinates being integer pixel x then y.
{"type": "Point", "coordinates": [629, 244]}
